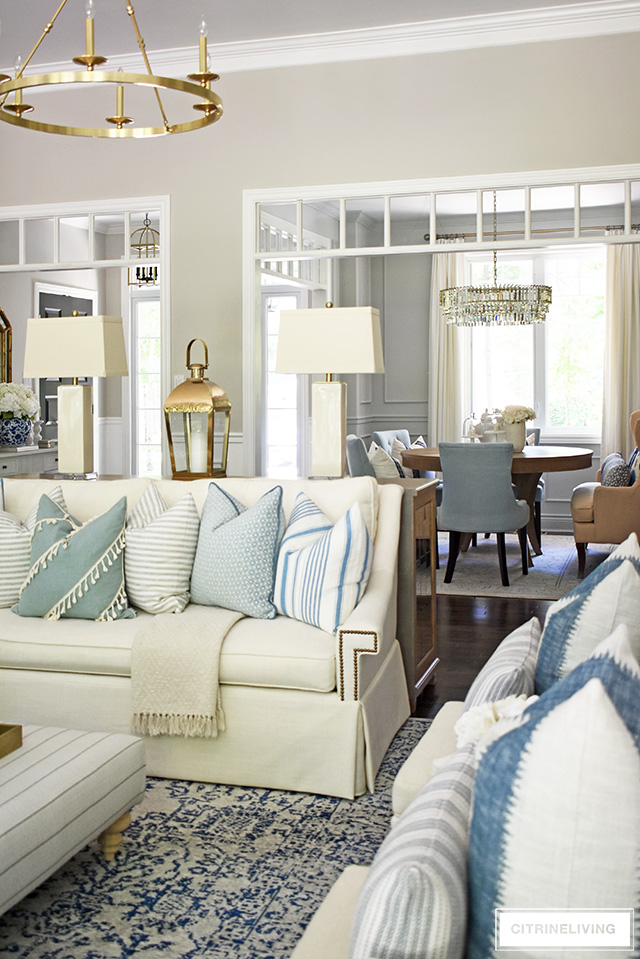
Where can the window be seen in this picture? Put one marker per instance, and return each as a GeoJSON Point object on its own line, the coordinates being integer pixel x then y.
{"type": "Point", "coordinates": [147, 384]}
{"type": "Point", "coordinates": [555, 366]}
{"type": "Point", "coordinates": [281, 448]}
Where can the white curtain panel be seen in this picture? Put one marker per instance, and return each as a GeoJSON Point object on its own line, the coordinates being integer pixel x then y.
{"type": "Point", "coordinates": [445, 355]}
{"type": "Point", "coordinates": [622, 347]}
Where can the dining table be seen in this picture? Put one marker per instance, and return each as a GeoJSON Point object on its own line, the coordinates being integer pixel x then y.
{"type": "Point", "coordinates": [526, 469]}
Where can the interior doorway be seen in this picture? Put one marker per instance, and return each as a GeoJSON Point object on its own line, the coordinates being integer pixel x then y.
{"type": "Point", "coordinates": [284, 397]}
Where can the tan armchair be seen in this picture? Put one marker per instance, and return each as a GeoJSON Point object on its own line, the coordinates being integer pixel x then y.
{"type": "Point", "coordinates": [606, 514]}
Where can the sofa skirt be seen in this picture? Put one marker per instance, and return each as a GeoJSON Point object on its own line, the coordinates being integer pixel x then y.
{"type": "Point", "coordinates": [274, 738]}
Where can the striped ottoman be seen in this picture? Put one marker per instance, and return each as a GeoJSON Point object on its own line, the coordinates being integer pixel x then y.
{"type": "Point", "coordinates": [61, 789]}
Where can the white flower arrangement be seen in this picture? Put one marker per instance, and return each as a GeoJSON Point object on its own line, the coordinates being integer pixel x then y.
{"type": "Point", "coordinates": [485, 723]}
{"type": "Point", "coordinates": [17, 400]}
{"type": "Point", "coordinates": [517, 414]}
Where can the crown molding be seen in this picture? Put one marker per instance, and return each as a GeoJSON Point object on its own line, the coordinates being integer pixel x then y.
{"type": "Point", "coordinates": [569, 21]}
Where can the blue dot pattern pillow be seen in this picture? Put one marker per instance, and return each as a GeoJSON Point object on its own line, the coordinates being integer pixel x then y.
{"type": "Point", "coordinates": [76, 569]}
{"type": "Point", "coordinates": [555, 814]}
{"type": "Point", "coordinates": [237, 551]}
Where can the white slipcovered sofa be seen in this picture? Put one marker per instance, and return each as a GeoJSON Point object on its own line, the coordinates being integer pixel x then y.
{"type": "Point", "coordinates": [305, 709]}
{"type": "Point", "coordinates": [506, 801]}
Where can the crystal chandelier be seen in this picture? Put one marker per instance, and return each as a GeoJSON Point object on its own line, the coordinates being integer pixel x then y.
{"type": "Point", "coordinates": [145, 244]}
{"type": "Point", "coordinates": [198, 85]}
{"type": "Point", "coordinates": [495, 305]}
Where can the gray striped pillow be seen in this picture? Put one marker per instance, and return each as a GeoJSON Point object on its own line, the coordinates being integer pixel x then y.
{"type": "Point", "coordinates": [511, 669]}
{"type": "Point", "coordinates": [15, 550]}
{"type": "Point", "coordinates": [414, 899]}
{"type": "Point", "coordinates": [159, 551]}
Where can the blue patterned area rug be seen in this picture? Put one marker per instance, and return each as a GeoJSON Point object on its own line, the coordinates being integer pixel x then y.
{"type": "Point", "coordinates": [204, 870]}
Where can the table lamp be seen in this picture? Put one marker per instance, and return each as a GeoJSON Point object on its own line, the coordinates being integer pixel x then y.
{"type": "Point", "coordinates": [75, 346]}
{"type": "Point", "coordinates": [345, 339]}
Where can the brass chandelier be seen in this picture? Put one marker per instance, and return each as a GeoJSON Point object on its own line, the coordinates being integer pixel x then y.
{"type": "Point", "coordinates": [510, 305]}
{"type": "Point", "coordinates": [198, 85]}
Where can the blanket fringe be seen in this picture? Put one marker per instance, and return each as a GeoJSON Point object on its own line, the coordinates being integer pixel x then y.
{"type": "Point", "coordinates": [172, 724]}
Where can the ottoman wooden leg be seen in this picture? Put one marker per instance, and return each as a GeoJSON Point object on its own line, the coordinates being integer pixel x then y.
{"type": "Point", "coordinates": [111, 838]}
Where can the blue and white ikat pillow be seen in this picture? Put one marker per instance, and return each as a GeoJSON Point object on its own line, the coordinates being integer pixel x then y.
{"type": "Point", "coordinates": [555, 819]}
{"type": "Point", "coordinates": [323, 568]}
{"type": "Point", "coordinates": [237, 551]}
{"type": "Point", "coordinates": [575, 624]}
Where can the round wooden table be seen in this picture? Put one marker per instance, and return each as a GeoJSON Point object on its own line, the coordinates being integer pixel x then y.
{"type": "Point", "coordinates": [526, 470]}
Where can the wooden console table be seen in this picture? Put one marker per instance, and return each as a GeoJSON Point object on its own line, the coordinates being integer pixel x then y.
{"type": "Point", "coordinates": [417, 635]}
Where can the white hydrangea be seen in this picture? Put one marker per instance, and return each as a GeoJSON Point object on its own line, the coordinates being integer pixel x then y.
{"type": "Point", "coordinates": [18, 400]}
{"type": "Point", "coordinates": [486, 722]}
{"type": "Point", "coordinates": [517, 414]}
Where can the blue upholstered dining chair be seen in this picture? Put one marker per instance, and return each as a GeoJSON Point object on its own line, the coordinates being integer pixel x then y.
{"type": "Point", "coordinates": [478, 497]}
{"type": "Point", "coordinates": [385, 438]}
{"type": "Point", "coordinates": [357, 459]}
{"type": "Point", "coordinates": [358, 464]}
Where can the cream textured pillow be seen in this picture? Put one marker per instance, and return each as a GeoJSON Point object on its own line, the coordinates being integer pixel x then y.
{"type": "Point", "coordinates": [160, 548]}
{"type": "Point", "coordinates": [384, 466]}
{"type": "Point", "coordinates": [397, 449]}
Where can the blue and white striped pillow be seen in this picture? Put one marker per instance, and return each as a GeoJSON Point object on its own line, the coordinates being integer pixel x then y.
{"type": "Point", "coordinates": [15, 549]}
{"type": "Point", "coordinates": [555, 811]}
{"type": "Point", "coordinates": [414, 899]}
{"type": "Point", "coordinates": [161, 546]}
{"type": "Point", "coordinates": [323, 569]}
{"type": "Point", "coordinates": [510, 671]}
{"type": "Point", "coordinates": [575, 624]}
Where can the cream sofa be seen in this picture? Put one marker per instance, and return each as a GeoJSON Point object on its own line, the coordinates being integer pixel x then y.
{"type": "Point", "coordinates": [305, 709]}
{"type": "Point", "coordinates": [540, 780]}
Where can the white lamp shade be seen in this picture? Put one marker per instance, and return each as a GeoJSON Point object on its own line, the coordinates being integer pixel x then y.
{"type": "Point", "coordinates": [330, 340]}
{"type": "Point", "coordinates": [75, 346]}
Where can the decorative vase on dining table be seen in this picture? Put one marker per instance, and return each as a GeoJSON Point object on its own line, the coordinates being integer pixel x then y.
{"type": "Point", "coordinates": [515, 433]}
{"type": "Point", "coordinates": [15, 430]}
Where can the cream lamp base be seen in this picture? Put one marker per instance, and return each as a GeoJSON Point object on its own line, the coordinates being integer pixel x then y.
{"type": "Point", "coordinates": [328, 428]}
{"type": "Point", "coordinates": [75, 429]}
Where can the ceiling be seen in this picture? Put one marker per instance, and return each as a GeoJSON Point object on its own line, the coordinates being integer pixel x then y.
{"type": "Point", "coordinates": [173, 24]}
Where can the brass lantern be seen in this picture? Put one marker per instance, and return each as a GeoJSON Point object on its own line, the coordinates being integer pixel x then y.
{"type": "Point", "coordinates": [197, 414]}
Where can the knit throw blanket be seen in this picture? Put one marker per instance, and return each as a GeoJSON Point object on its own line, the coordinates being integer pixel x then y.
{"type": "Point", "coordinates": [175, 661]}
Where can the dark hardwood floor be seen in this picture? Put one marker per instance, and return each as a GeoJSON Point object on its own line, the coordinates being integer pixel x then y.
{"type": "Point", "coordinates": [469, 629]}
